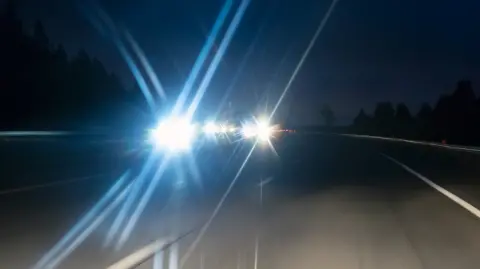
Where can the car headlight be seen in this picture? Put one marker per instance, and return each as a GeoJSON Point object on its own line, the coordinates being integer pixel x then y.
{"type": "Point", "coordinates": [261, 130]}
{"type": "Point", "coordinates": [264, 131]}
{"type": "Point", "coordinates": [249, 131]}
{"type": "Point", "coordinates": [175, 134]}
{"type": "Point", "coordinates": [210, 128]}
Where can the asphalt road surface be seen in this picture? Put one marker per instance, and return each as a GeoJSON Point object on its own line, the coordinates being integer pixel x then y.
{"type": "Point", "coordinates": [323, 202]}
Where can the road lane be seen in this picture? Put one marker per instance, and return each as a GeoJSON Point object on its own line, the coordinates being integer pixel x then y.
{"type": "Point", "coordinates": [330, 202]}
{"type": "Point", "coordinates": [349, 208]}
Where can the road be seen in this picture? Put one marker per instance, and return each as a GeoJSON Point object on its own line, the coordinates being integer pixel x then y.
{"type": "Point", "coordinates": [325, 201]}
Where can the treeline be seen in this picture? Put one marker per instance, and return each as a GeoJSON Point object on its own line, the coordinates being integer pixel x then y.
{"type": "Point", "coordinates": [42, 87]}
{"type": "Point", "coordinates": [455, 119]}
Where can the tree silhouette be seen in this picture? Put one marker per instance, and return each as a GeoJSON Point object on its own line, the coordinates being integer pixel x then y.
{"type": "Point", "coordinates": [328, 115]}
{"type": "Point", "coordinates": [43, 88]}
{"type": "Point", "coordinates": [462, 113]}
{"type": "Point", "coordinates": [39, 35]}
{"type": "Point", "coordinates": [403, 121]}
{"type": "Point", "coordinates": [362, 122]}
{"type": "Point", "coordinates": [455, 119]}
{"type": "Point", "coordinates": [383, 118]}
{"type": "Point", "coordinates": [423, 122]}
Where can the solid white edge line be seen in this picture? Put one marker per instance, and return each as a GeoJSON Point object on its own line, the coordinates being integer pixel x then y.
{"type": "Point", "coordinates": [432, 144]}
{"type": "Point", "coordinates": [450, 195]}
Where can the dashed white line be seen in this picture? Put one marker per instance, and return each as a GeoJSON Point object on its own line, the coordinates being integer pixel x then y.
{"type": "Point", "coordinates": [470, 208]}
{"type": "Point", "coordinates": [265, 181]}
{"type": "Point", "coordinates": [140, 255]}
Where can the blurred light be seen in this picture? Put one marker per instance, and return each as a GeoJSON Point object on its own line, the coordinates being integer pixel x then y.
{"type": "Point", "coordinates": [210, 128]}
{"type": "Point", "coordinates": [264, 130]}
{"type": "Point", "coordinates": [223, 129]}
{"type": "Point", "coordinates": [248, 131]}
{"type": "Point", "coordinates": [232, 129]}
{"type": "Point", "coordinates": [175, 134]}
{"type": "Point", "coordinates": [261, 130]}
{"type": "Point", "coordinates": [179, 184]}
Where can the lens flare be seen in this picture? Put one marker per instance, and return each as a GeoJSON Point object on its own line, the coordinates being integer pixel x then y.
{"type": "Point", "coordinates": [210, 128]}
{"type": "Point", "coordinates": [174, 134]}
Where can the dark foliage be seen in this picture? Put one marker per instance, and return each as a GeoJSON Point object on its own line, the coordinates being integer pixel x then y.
{"type": "Point", "coordinates": [455, 119]}
{"type": "Point", "coordinates": [41, 88]}
{"type": "Point", "coordinates": [328, 115]}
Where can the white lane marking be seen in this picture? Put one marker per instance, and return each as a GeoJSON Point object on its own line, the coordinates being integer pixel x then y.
{"type": "Point", "coordinates": [265, 182]}
{"type": "Point", "coordinates": [424, 143]}
{"type": "Point", "coordinates": [450, 195]}
{"type": "Point", "coordinates": [50, 184]}
{"type": "Point", "coordinates": [140, 255]}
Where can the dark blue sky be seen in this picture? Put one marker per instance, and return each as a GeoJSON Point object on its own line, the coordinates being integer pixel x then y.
{"type": "Point", "coordinates": [372, 50]}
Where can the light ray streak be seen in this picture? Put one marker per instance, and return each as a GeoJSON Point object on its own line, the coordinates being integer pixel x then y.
{"type": "Point", "coordinates": [241, 67]}
{"type": "Point", "coordinates": [132, 221]}
{"type": "Point", "coordinates": [279, 67]}
{"type": "Point", "coordinates": [218, 56]}
{"type": "Point", "coordinates": [305, 54]}
{"type": "Point", "coordinates": [105, 20]}
{"type": "Point", "coordinates": [132, 196]}
{"type": "Point", "coordinates": [88, 217]}
{"type": "Point", "coordinates": [88, 230]}
{"type": "Point", "coordinates": [202, 56]}
{"type": "Point", "coordinates": [237, 148]}
{"type": "Point", "coordinates": [272, 147]}
{"type": "Point", "coordinates": [271, 83]}
{"type": "Point", "coordinates": [142, 84]}
{"type": "Point", "coordinates": [146, 65]}
{"type": "Point", "coordinates": [192, 165]}
{"type": "Point", "coordinates": [205, 227]}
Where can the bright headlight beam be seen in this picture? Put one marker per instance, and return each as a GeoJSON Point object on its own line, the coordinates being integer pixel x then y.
{"type": "Point", "coordinates": [210, 128]}
{"type": "Point", "coordinates": [248, 131]}
{"type": "Point", "coordinates": [264, 130]}
{"type": "Point", "coordinates": [223, 129]}
{"type": "Point", "coordinates": [175, 134]}
{"type": "Point", "coordinates": [261, 129]}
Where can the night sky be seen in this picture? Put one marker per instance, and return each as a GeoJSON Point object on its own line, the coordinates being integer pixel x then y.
{"type": "Point", "coordinates": [373, 50]}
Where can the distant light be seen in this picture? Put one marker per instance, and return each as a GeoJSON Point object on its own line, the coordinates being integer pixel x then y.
{"type": "Point", "coordinates": [223, 129]}
{"type": "Point", "coordinates": [210, 128]}
{"type": "Point", "coordinates": [264, 130]}
{"type": "Point", "coordinates": [261, 130]}
{"type": "Point", "coordinates": [175, 134]}
{"type": "Point", "coordinates": [249, 131]}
